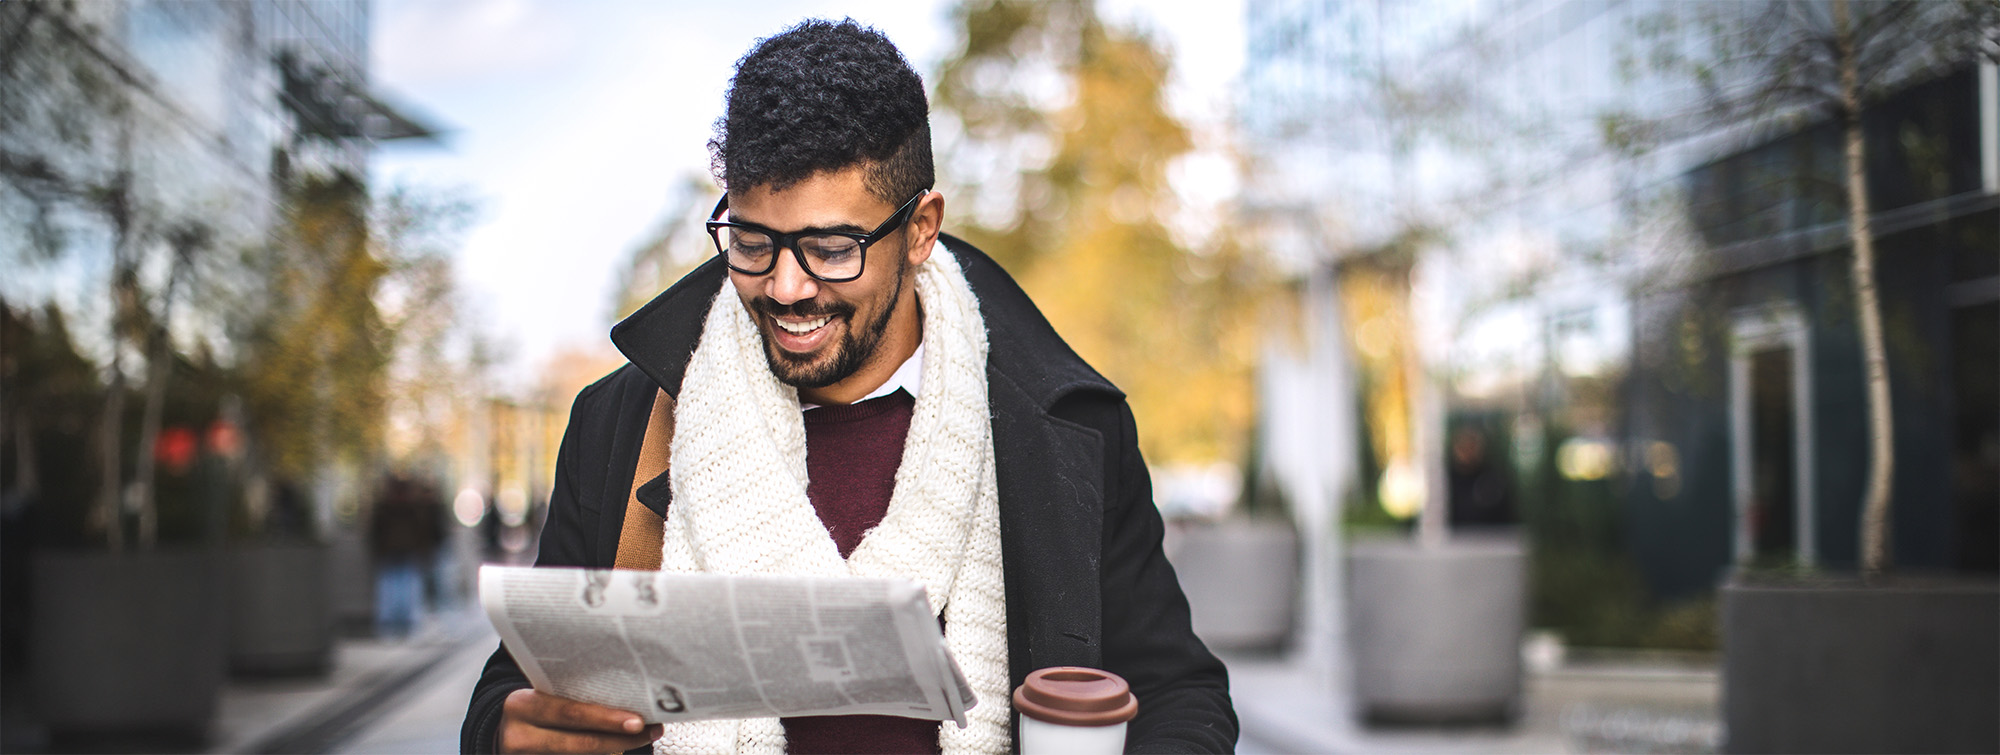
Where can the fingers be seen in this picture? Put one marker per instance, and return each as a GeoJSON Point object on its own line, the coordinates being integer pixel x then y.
{"type": "Point", "coordinates": [563, 713]}
{"type": "Point", "coordinates": [534, 722]}
{"type": "Point", "coordinates": [529, 739]}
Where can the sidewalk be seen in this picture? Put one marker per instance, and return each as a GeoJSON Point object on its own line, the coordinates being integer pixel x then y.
{"type": "Point", "coordinates": [369, 678]}
{"type": "Point", "coordinates": [407, 696]}
{"type": "Point", "coordinates": [1603, 703]}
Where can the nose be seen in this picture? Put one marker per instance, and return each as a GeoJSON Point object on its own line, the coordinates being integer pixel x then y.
{"type": "Point", "coordinates": [787, 282]}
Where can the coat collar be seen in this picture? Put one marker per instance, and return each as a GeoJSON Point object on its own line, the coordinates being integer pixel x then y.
{"type": "Point", "coordinates": [660, 337]}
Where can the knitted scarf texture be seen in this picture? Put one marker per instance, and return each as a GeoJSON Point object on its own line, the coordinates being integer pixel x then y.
{"type": "Point", "coordinates": [738, 474]}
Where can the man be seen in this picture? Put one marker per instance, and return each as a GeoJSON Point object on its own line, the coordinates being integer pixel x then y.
{"type": "Point", "coordinates": [404, 532]}
{"type": "Point", "coordinates": [848, 396]}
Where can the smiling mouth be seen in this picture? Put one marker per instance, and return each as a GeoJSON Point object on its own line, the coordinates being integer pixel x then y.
{"type": "Point", "coordinates": [802, 328]}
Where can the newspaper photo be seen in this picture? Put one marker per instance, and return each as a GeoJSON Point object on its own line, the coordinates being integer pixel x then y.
{"type": "Point", "coordinates": [688, 647]}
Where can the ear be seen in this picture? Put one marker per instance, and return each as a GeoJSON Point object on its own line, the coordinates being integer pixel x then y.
{"type": "Point", "coordinates": [926, 221]}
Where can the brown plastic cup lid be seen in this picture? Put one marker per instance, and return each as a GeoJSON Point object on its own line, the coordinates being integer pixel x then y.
{"type": "Point", "coordinates": [1076, 696]}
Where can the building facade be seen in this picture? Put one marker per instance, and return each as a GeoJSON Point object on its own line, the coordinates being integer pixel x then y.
{"type": "Point", "coordinates": [1645, 304]}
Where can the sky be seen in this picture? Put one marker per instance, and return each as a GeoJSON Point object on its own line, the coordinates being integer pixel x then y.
{"type": "Point", "coordinates": [571, 122]}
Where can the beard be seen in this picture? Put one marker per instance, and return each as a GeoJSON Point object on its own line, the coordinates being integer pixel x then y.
{"type": "Point", "coordinates": [853, 350]}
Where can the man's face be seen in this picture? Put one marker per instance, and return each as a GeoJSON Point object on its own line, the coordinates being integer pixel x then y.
{"type": "Point", "coordinates": [818, 334]}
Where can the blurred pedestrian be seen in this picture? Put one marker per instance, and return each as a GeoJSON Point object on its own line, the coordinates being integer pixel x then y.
{"type": "Point", "coordinates": [404, 531]}
{"type": "Point", "coordinates": [490, 528]}
{"type": "Point", "coordinates": [1482, 493]}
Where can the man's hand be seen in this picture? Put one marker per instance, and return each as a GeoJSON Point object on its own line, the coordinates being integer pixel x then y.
{"type": "Point", "coordinates": [534, 722]}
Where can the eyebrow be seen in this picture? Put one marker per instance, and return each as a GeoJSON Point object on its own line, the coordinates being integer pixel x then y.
{"type": "Point", "coordinates": [807, 231]}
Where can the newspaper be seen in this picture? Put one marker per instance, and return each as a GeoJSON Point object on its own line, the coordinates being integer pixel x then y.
{"type": "Point", "coordinates": [688, 647]}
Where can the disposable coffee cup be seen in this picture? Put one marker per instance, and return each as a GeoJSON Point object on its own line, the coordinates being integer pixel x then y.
{"type": "Point", "coordinates": [1072, 710]}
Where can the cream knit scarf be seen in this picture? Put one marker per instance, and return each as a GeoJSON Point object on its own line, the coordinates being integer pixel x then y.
{"type": "Point", "coordinates": [740, 507]}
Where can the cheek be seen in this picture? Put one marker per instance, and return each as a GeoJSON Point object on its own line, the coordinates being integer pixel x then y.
{"type": "Point", "coordinates": [747, 288]}
{"type": "Point", "coordinates": [873, 302]}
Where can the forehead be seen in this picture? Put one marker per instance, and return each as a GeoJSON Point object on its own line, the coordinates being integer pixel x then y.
{"type": "Point", "coordinates": [833, 199]}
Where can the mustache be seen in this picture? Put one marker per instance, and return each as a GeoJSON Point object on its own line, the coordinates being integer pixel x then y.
{"type": "Point", "coordinates": [802, 308]}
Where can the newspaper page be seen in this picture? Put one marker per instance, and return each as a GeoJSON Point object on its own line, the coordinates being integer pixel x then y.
{"type": "Point", "coordinates": [688, 647]}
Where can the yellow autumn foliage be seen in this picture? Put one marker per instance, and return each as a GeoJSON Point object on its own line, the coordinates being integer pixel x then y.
{"type": "Point", "coordinates": [1176, 328]}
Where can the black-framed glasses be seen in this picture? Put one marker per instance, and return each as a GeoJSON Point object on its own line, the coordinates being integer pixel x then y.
{"type": "Point", "coordinates": [829, 256]}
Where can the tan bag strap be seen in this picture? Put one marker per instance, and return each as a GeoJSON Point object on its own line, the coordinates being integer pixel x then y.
{"type": "Point", "coordinates": [640, 539]}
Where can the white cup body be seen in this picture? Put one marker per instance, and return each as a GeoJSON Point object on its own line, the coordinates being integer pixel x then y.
{"type": "Point", "coordinates": [1043, 738]}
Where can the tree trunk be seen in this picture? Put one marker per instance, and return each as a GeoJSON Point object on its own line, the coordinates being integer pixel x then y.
{"type": "Point", "coordinates": [109, 512]}
{"type": "Point", "coordinates": [109, 430]}
{"type": "Point", "coordinates": [1868, 311]}
{"type": "Point", "coordinates": [159, 367]}
{"type": "Point", "coordinates": [159, 355]}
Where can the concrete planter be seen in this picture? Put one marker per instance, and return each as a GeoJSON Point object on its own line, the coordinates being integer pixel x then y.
{"type": "Point", "coordinates": [1242, 580]}
{"type": "Point", "coordinates": [130, 642]}
{"type": "Point", "coordinates": [280, 618]}
{"type": "Point", "coordinates": [1836, 666]}
{"type": "Point", "coordinates": [351, 583]}
{"type": "Point", "coordinates": [1436, 632]}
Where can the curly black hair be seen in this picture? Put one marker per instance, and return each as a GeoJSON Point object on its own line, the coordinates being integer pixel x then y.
{"type": "Point", "coordinates": [824, 96]}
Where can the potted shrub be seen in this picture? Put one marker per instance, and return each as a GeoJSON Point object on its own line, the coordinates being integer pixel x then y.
{"type": "Point", "coordinates": [281, 620]}
{"type": "Point", "coordinates": [126, 616]}
{"type": "Point", "coordinates": [1435, 620]}
{"type": "Point", "coordinates": [1876, 661]}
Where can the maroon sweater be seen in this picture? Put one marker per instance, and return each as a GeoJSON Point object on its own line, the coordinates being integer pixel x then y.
{"type": "Point", "coordinates": [852, 453]}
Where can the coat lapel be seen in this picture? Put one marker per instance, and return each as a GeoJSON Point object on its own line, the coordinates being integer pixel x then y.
{"type": "Point", "coordinates": [1051, 518]}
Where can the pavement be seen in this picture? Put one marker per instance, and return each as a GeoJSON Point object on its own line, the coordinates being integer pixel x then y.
{"type": "Point", "coordinates": [1604, 702]}
{"type": "Point", "coordinates": [409, 695]}
{"type": "Point", "coordinates": [403, 695]}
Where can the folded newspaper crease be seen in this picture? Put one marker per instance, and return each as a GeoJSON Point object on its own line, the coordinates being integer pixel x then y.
{"type": "Point", "coordinates": [689, 647]}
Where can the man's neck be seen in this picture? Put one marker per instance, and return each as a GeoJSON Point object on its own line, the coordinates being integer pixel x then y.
{"type": "Point", "coordinates": [904, 334]}
{"type": "Point", "coordinates": [908, 378]}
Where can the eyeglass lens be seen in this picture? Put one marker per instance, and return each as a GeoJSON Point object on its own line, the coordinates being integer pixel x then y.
{"type": "Point", "coordinates": [827, 256]}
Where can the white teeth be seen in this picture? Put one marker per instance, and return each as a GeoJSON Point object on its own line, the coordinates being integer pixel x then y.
{"type": "Point", "coordinates": [801, 328]}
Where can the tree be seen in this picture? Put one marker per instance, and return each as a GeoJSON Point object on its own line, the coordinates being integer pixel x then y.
{"type": "Point", "coordinates": [1058, 139]}
{"type": "Point", "coordinates": [432, 362]}
{"type": "Point", "coordinates": [1779, 63]}
{"type": "Point", "coordinates": [314, 382]}
{"type": "Point", "coordinates": [82, 171]}
{"type": "Point", "coordinates": [283, 280]}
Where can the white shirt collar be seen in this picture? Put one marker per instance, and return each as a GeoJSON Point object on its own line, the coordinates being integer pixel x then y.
{"type": "Point", "coordinates": [909, 377]}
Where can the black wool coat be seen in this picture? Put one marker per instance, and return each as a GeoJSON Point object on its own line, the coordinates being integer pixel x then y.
{"type": "Point", "coordinates": [1087, 584]}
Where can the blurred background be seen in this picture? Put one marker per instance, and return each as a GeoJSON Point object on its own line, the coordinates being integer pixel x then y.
{"type": "Point", "coordinates": [1516, 375]}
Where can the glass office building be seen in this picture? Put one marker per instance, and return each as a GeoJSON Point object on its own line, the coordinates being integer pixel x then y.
{"type": "Point", "coordinates": [1647, 306]}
